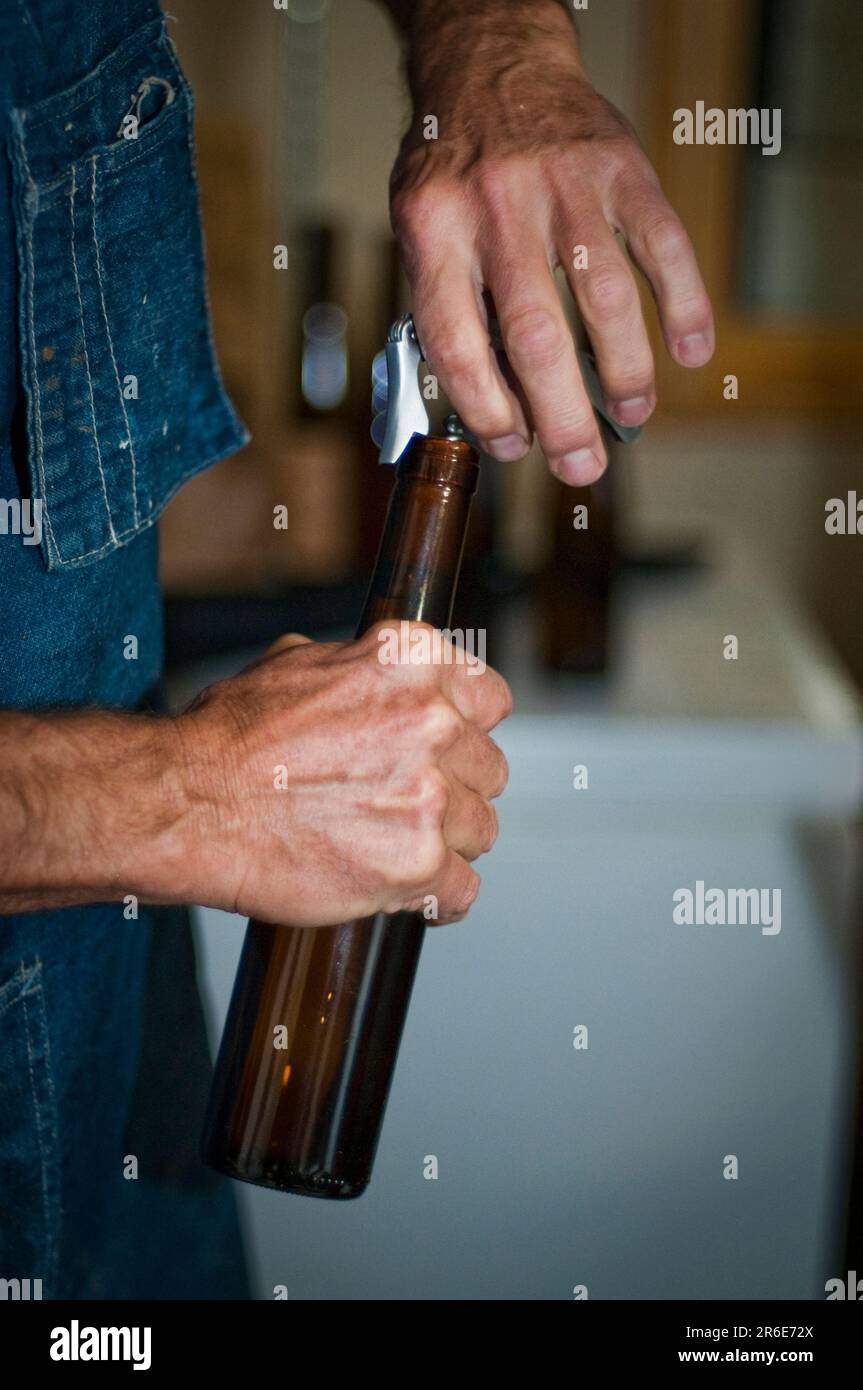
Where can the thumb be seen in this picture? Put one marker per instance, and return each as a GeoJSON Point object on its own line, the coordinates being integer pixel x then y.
{"type": "Point", "coordinates": [286, 643]}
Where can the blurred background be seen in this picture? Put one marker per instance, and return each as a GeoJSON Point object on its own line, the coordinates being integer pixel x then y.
{"type": "Point", "coordinates": [605, 1167]}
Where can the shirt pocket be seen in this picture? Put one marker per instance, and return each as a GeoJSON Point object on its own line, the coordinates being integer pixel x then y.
{"type": "Point", "coordinates": [124, 397]}
{"type": "Point", "coordinates": [29, 1152]}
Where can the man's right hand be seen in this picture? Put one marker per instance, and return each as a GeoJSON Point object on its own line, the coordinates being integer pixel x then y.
{"type": "Point", "coordinates": [318, 785]}
{"type": "Point", "coordinates": [325, 784]}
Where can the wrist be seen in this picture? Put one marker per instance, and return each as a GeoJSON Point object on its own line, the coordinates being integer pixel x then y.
{"type": "Point", "coordinates": [168, 833]}
{"type": "Point", "coordinates": [430, 15]}
{"type": "Point", "coordinates": [132, 816]}
{"type": "Point", "coordinates": [487, 66]}
{"type": "Point", "coordinates": [443, 36]}
{"type": "Point", "coordinates": [87, 813]}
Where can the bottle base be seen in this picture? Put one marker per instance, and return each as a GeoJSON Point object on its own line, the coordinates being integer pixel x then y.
{"type": "Point", "coordinates": [282, 1177]}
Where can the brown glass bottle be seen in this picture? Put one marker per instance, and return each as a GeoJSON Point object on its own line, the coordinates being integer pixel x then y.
{"type": "Point", "coordinates": [306, 1117]}
{"type": "Point", "coordinates": [573, 594]}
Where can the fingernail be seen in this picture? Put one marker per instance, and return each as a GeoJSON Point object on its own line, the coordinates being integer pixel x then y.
{"type": "Point", "coordinates": [632, 412]}
{"type": "Point", "coordinates": [695, 350]}
{"type": "Point", "coordinates": [508, 448]}
{"type": "Point", "coordinates": [579, 468]}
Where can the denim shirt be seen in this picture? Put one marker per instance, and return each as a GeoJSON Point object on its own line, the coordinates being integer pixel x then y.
{"type": "Point", "coordinates": [124, 399]}
{"type": "Point", "coordinates": [110, 398]}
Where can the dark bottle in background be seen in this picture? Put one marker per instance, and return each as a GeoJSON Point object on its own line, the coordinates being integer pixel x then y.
{"type": "Point", "coordinates": [573, 591]}
{"type": "Point", "coordinates": [306, 1118]}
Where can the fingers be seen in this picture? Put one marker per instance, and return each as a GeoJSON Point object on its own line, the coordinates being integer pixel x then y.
{"type": "Point", "coordinates": [608, 298]}
{"type": "Point", "coordinates": [477, 762]}
{"type": "Point", "coordinates": [470, 823]}
{"type": "Point", "coordinates": [455, 887]}
{"type": "Point", "coordinates": [468, 829]}
{"type": "Point", "coordinates": [480, 695]}
{"type": "Point", "coordinates": [476, 691]}
{"type": "Point", "coordinates": [661, 248]}
{"type": "Point", "coordinates": [437, 240]}
{"type": "Point", "coordinates": [286, 642]}
{"type": "Point", "coordinates": [540, 347]}
{"type": "Point", "coordinates": [456, 345]}
{"type": "Point", "coordinates": [498, 234]}
{"type": "Point", "coordinates": [460, 769]}
{"type": "Point", "coordinates": [515, 260]}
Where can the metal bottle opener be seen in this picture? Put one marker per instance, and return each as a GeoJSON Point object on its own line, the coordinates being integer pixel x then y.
{"type": "Point", "coordinates": [396, 391]}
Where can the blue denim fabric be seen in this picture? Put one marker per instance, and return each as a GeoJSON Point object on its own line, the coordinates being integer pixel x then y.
{"type": "Point", "coordinates": [124, 398]}
{"type": "Point", "coordinates": [103, 1053]}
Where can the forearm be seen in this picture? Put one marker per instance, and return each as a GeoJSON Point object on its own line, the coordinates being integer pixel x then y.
{"type": "Point", "coordinates": [431, 27]}
{"type": "Point", "coordinates": [499, 76]}
{"type": "Point", "coordinates": [416, 14]}
{"type": "Point", "coordinates": [89, 807]}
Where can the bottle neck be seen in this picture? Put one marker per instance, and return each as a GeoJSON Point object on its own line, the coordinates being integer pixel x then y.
{"type": "Point", "coordinates": [420, 553]}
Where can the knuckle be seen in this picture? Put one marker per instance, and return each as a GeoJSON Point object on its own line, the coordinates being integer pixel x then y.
{"type": "Point", "coordinates": [576, 430]}
{"type": "Point", "coordinates": [623, 378]}
{"type": "Point", "coordinates": [213, 692]}
{"type": "Point", "coordinates": [631, 171]}
{"type": "Point", "coordinates": [488, 422]}
{"type": "Point", "coordinates": [487, 827]}
{"type": "Point", "coordinates": [415, 211]}
{"type": "Point", "coordinates": [439, 722]}
{"type": "Point", "coordinates": [431, 798]}
{"type": "Point", "coordinates": [694, 309]}
{"type": "Point", "coordinates": [501, 774]}
{"type": "Point", "coordinates": [535, 335]}
{"type": "Point", "coordinates": [504, 698]}
{"type": "Point", "coordinates": [666, 238]}
{"type": "Point", "coordinates": [623, 158]}
{"type": "Point", "coordinates": [402, 212]}
{"type": "Point", "coordinates": [497, 700]}
{"type": "Point", "coordinates": [429, 860]}
{"type": "Point", "coordinates": [386, 874]}
{"type": "Point", "coordinates": [452, 358]}
{"type": "Point", "coordinates": [467, 897]}
{"type": "Point", "coordinates": [608, 293]}
{"type": "Point", "coordinates": [494, 181]}
{"type": "Point", "coordinates": [369, 644]}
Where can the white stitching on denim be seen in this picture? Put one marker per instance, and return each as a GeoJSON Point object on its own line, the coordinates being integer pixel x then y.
{"type": "Point", "coordinates": [149, 518]}
{"type": "Point", "coordinates": [68, 562]}
{"type": "Point", "coordinates": [137, 99]}
{"type": "Point", "coordinates": [98, 550]}
{"type": "Point", "coordinates": [87, 361]}
{"type": "Point", "coordinates": [118, 156]}
{"type": "Point", "coordinates": [15, 986]}
{"type": "Point", "coordinates": [111, 341]}
{"type": "Point", "coordinates": [116, 159]}
{"type": "Point", "coordinates": [31, 335]}
{"type": "Point", "coordinates": [153, 516]}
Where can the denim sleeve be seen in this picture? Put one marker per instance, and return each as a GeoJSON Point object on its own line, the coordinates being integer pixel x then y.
{"type": "Point", "coordinates": [124, 397]}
